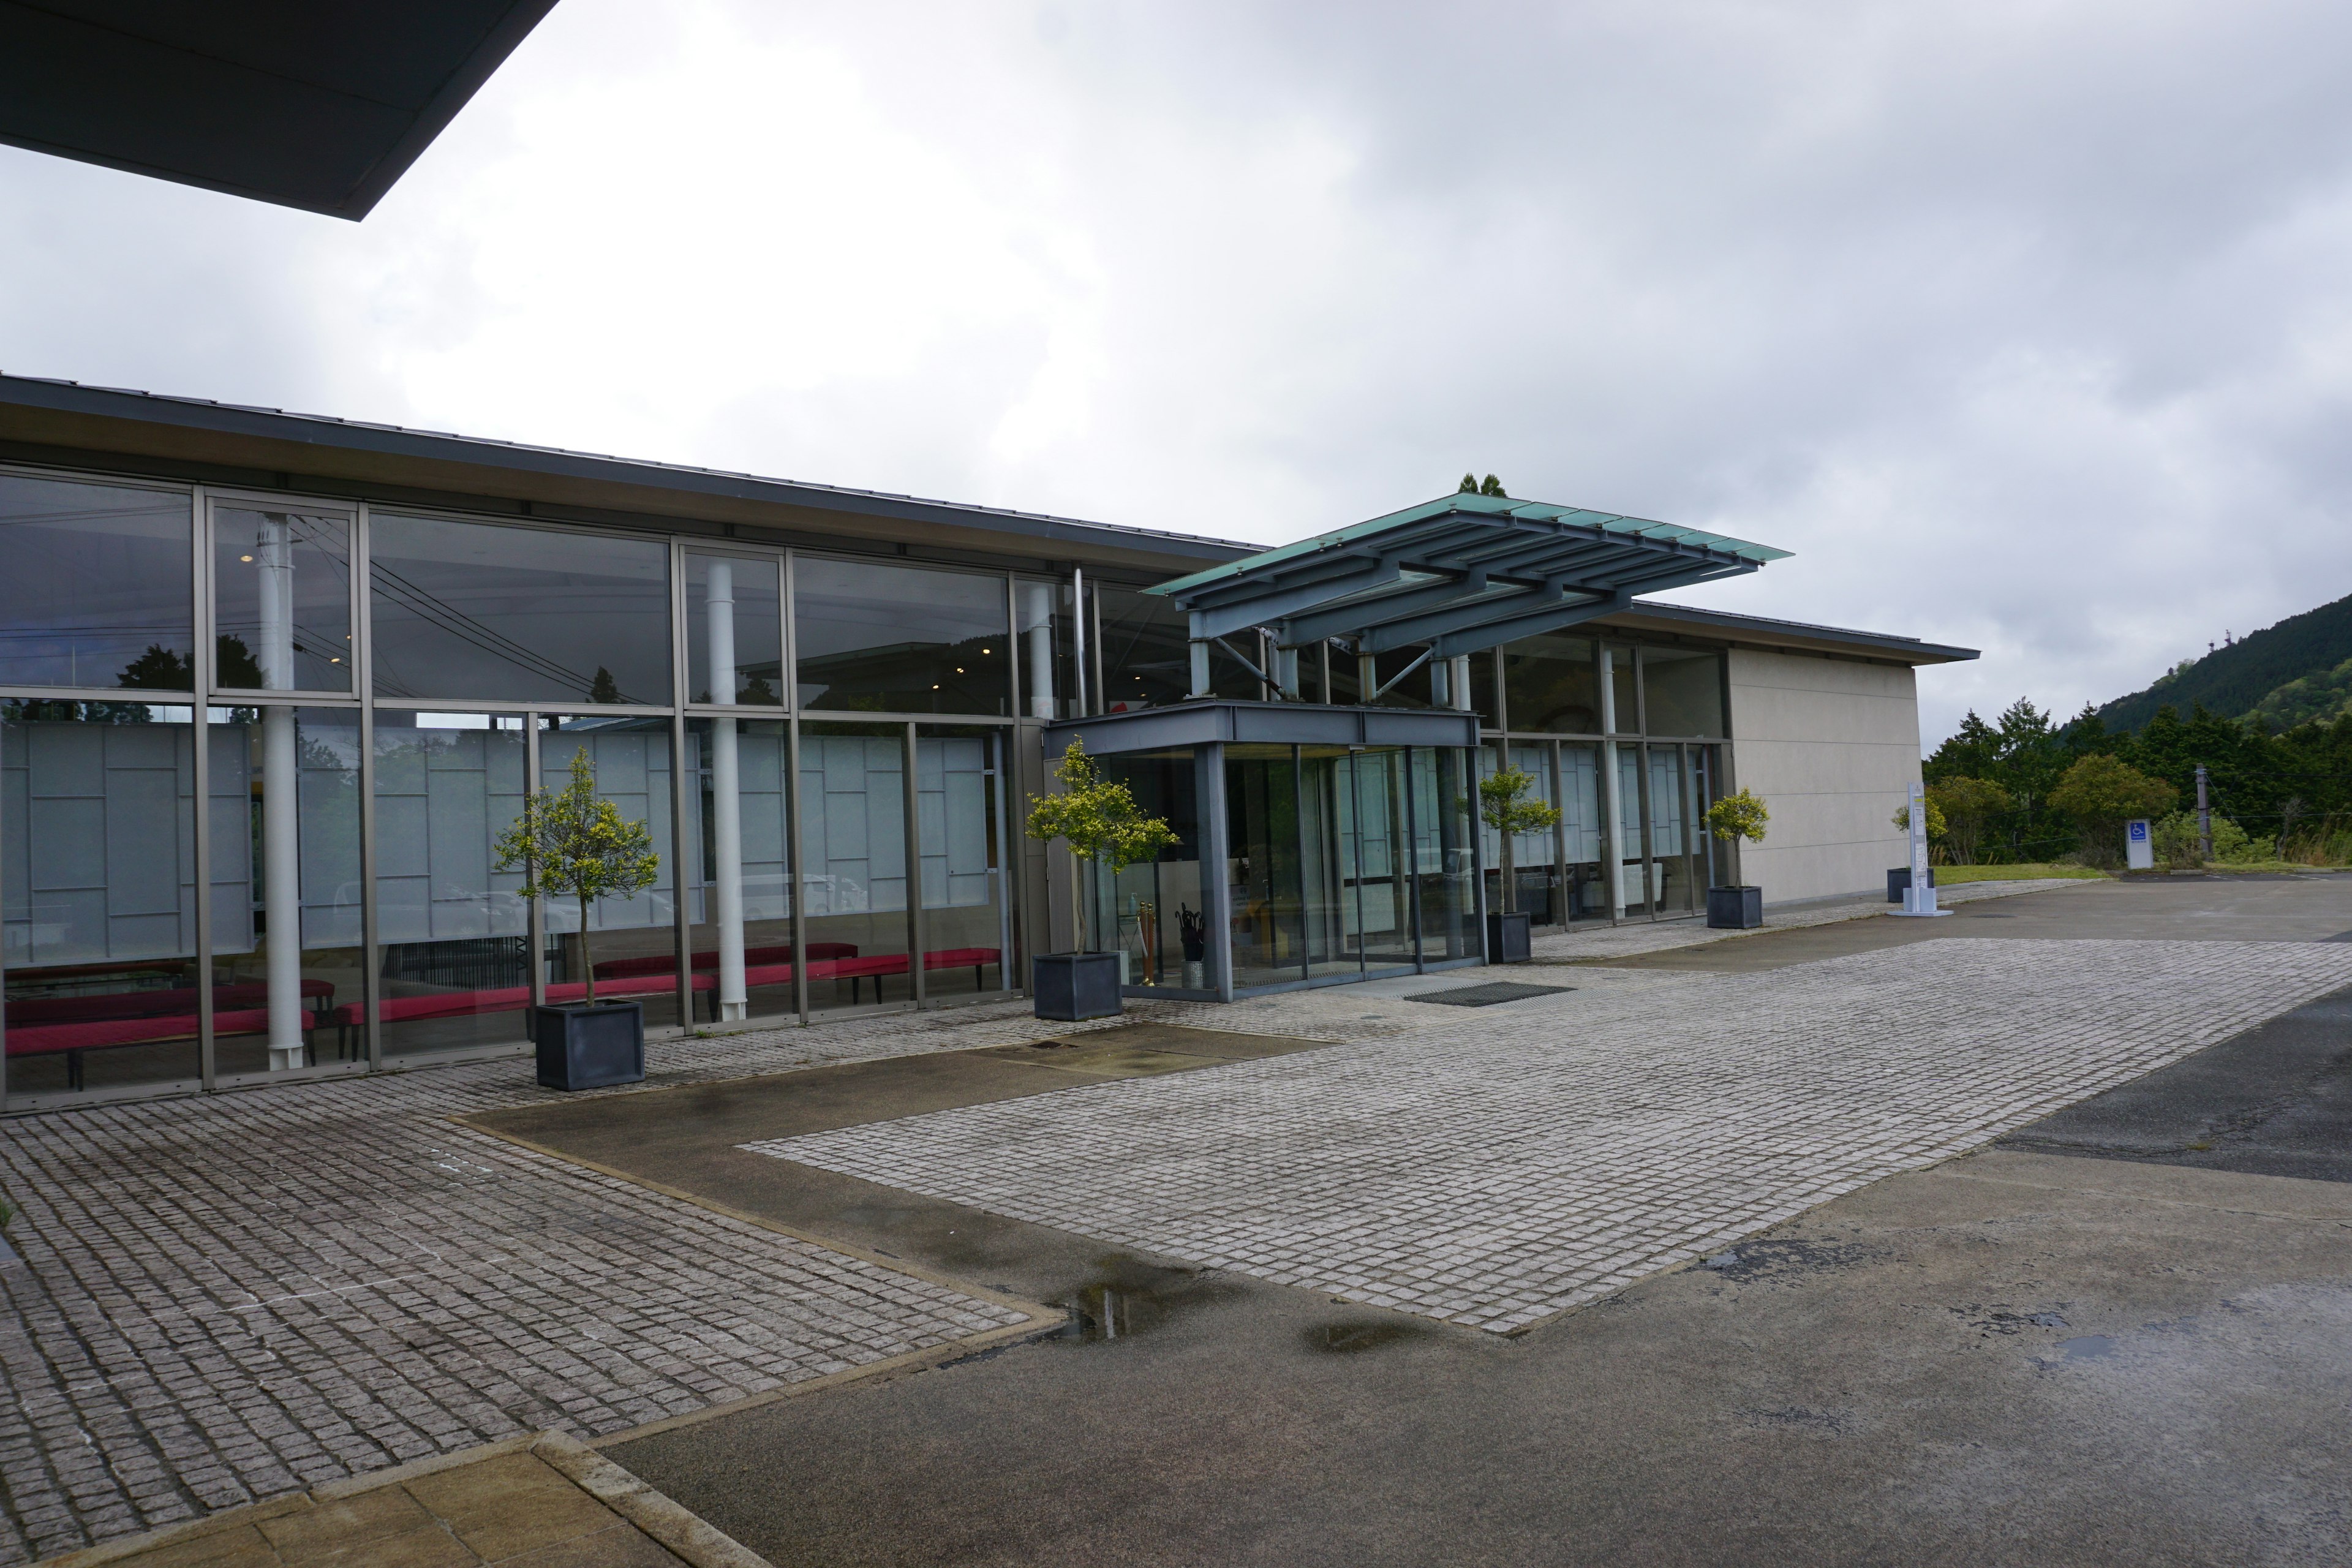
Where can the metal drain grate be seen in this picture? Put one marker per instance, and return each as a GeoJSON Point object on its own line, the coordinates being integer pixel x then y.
{"type": "Point", "coordinates": [1489, 993]}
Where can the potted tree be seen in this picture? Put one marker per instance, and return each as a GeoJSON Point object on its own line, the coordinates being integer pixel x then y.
{"type": "Point", "coordinates": [570, 844]}
{"type": "Point", "coordinates": [1732, 818]}
{"type": "Point", "coordinates": [1504, 806]}
{"type": "Point", "coordinates": [1099, 820]}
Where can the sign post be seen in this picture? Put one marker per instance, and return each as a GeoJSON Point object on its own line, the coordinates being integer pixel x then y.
{"type": "Point", "coordinates": [2139, 848]}
{"type": "Point", "coordinates": [1919, 898]}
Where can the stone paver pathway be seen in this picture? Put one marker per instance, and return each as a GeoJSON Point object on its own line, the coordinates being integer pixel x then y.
{"type": "Point", "coordinates": [1497, 1166]}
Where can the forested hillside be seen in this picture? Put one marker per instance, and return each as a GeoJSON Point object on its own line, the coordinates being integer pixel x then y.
{"type": "Point", "coordinates": [2300, 669]}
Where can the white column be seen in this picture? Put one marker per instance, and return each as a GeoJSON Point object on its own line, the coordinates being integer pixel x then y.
{"type": "Point", "coordinates": [1038, 598]}
{"type": "Point", "coordinates": [1610, 786]}
{"type": "Point", "coordinates": [282, 858]}
{"type": "Point", "coordinates": [725, 793]}
{"type": "Point", "coordinates": [1459, 681]}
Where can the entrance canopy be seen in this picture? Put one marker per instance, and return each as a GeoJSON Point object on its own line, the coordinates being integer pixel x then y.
{"type": "Point", "coordinates": [1461, 574]}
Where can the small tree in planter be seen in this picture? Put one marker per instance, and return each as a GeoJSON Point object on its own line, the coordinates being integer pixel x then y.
{"type": "Point", "coordinates": [570, 844]}
{"type": "Point", "coordinates": [1100, 821]}
{"type": "Point", "coordinates": [1505, 805]}
{"type": "Point", "coordinates": [1732, 819]}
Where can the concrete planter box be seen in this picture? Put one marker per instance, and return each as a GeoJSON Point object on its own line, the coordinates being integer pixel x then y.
{"type": "Point", "coordinates": [1507, 938]}
{"type": "Point", "coordinates": [590, 1048]}
{"type": "Point", "coordinates": [1071, 986]}
{"type": "Point", "coordinates": [1735, 909]}
{"type": "Point", "coordinates": [1899, 882]}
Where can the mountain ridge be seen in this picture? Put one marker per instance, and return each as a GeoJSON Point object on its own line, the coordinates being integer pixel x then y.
{"type": "Point", "coordinates": [2299, 668]}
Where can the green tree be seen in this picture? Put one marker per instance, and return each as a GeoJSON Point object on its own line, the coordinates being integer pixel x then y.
{"type": "Point", "coordinates": [2102, 793]}
{"type": "Point", "coordinates": [1471, 486]}
{"type": "Point", "coordinates": [604, 689]}
{"type": "Point", "coordinates": [1737, 817]}
{"type": "Point", "coordinates": [570, 844]}
{"type": "Point", "coordinates": [1967, 805]}
{"type": "Point", "coordinates": [1503, 804]}
{"type": "Point", "coordinates": [1100, 821]}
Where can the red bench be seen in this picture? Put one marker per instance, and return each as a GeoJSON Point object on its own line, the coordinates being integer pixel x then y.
{"type": "Point", "coordinates": [664, 964]}
{"type": "Point", "coordinates": [102, 1034]}
{"type": "Point", "coordinates": [503, 999]}
{"type": "Point", "coordinates": [153, 1003]}
{"type": "Point", "coordinates": [853, 970]}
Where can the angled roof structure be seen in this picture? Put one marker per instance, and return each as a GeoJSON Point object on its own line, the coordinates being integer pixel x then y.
{"type": "Point", "coordinates": [318, 106]}
{"type": "Point", "coordinates": [1462, 573]}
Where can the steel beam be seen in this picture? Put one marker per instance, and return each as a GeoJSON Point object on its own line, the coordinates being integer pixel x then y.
{"type": "Point", "coordinates": [1494, 634]}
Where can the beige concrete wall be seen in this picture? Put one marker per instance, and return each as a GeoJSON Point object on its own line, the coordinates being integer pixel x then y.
{"type": "Point", "coordinates": [1832, 745]}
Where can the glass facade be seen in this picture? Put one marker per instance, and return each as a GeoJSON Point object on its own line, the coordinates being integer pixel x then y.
{"type": "Point", "coordinates": [292, 867]}
{"type": "Point", "coordinates": [899, 639]}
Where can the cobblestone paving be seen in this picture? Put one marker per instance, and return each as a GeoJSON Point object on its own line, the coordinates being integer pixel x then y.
{"type": "Point", "coordinates": [1638, 935]}
{"type": "Point", "coordinates": [227, 1298]}
{"type": "Point", "coordinates": [1495, 1168]}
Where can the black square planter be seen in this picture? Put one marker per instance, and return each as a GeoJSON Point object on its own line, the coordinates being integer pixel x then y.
{"type": "Point", "coordinates": [1735, 909]}
{"type": "Point", "coordinates": [590, 1048]}
{"type": "Point", "coordinates": [1507, 937]}
{"type": "Point", "coordinates": [1899, 882]}
{"type": "Point", "coordinates": [1071, 986]}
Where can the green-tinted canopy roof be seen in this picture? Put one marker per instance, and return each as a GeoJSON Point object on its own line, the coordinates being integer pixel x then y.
{"type": "Point", "coordinates": [1462, 573]}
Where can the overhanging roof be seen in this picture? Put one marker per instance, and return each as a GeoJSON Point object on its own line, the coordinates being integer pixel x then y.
{"type": "Point", "coordinates": [63, 422]}
{"type": "Point", "coordinates": [316, 106]}
{"type": "Point", "coordinates": [1461, 574]}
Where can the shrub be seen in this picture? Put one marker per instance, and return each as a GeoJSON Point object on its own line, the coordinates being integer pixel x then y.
{"type": "Point", "coordinates": [2177, 843]}
{"type": "Point", "coordinates": [2102, 793]}
{"type": "Point", "coordinates": [1967, 805]}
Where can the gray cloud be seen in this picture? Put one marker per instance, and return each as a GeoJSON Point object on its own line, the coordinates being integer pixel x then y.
{"type": "Point", "coordinates": [2025, 326]}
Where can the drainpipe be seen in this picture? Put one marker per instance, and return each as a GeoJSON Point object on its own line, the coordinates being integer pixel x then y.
{"type": "Point", "coordinates": [281, 860]}
{"type": "Point", "coordinates": [726, 793]}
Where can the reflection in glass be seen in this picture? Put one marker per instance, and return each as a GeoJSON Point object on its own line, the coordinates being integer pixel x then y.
{"type": "Point", "coordinates": [281, 600]}
{"type": "Point", "coordinates": [97, 893]}
{"type": "Point", "coordinates": [297, 953]}
{"type": "Point", "coordinates": [1625, 713]}
{"type": "Point", "coordinates": [455, 966]}
{"type": "Point", "coordinates": [740, 900]}
{"type": "Point", "coordinates": [896, 639]}
{"type": "Point", "coordinates": [632, 761]}
{"type": "Point", "coordinates": [474, 610]}
{"type": "Point", "coordinates": [1585, 878]}
{"type": "Point", "coordinates": [1445, 855]}
{"type": "Point", "coordinates": [96, 587]}
{"type": "Point", "coordinates": [1041, 616]}
{"type": "Point", "coordinates": [960, 827]}
{"type": "Point", "coordinates": [1530, 885]}
{"type": "Point", "coordinates": [1548, 685]}
{"type": "Point", "coordinates": [1671, 837]}
{"type": "Point", "coordinates": [1263, 875]}
{"type": "Point", "coordinates": [1685, 690]}
{"type": "Point", "coordinates": [1147, 655]}
{"type": "Point", "coordinates": [853, 857]}
{"type": "Point", "coordinates": [735, 624]}
{"type": "Point", "coordinates": [1357, 905]}
{"type": "Point", "coordinates": [1154, 914]}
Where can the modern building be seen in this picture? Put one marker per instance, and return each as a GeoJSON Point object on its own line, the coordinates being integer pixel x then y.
{"type": "Point", "coordinates": [272, 687]}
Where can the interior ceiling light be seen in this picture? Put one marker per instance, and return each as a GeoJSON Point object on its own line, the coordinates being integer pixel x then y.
{"type": "Point", "coordinates": [245, 558]}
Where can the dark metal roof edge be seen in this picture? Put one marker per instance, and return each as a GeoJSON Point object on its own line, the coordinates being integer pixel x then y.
{"type": "Point", "coordinates": [326, 431]}
{"type": "Point", "coordinates": [1917, 651]}
{"type": "Point", "coordinates": [497, 43]}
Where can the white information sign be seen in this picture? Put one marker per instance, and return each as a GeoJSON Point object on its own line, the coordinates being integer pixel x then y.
{"type": "Point", "coordinates": [1919, 898]}
{"type": "Point", "coordinates": [2139, 845]}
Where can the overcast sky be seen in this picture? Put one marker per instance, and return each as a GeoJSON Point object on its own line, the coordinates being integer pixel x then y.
{"type": "Point", "coordinates": [2026, 326]}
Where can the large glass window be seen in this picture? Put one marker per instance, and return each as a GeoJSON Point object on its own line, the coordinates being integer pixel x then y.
{"type": "Point", "coordinates": [633, 941]}
{"type": "Point", "coordinates": [740, 903]}
{"type": "Point", "coordinates": [1445, 855]}
{"type": "Point", "coordinates": [96, 587]}
{"type": "Point", "coordinates": [853, 800]}
{"type": "Point", "coordinates": [282, 600]}
{"type": "Point", "coordinates": [1583, 880]}
{"type": "Point", "coordinates": [453, 932]}
{"type": "Point", "coordinates": [898, 640]}
{"type": "Point", "coordinates": [494, 614]}
{"type": "Point", "coordinates": [1154, 914]}
{"type": "Point", "coordinates": [1684, 690]}
{"type": "Point", "coordinates": [1549, 686]}
{"type": "Point", "coordinates": [735, 626]}
{"type": "Point", "coordinates": [1044, 619]}
{"type": "Point", "coordinates": [1530, 885]}
{"type": "Point", "coordinates": [1147, 655]}
{"type": "Point", "coordinates": [1263, 877]}
{"type": "Point", "coordinates": [960, 827]}
{"type": "Point", "coordinates": [97, 893]}
{"type": "Point", "coordinates": [293, 966]}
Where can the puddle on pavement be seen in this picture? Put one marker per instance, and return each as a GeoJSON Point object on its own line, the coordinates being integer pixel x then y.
{"type": "Point", "coordinates": [1128, 1297]}
{"type": "Point", "coordinates": [1781, 1261]}
{"type": "Point", "coordinates": [2086, 1347]}
{"type": "Point", "coordinates": [1350, 1338]}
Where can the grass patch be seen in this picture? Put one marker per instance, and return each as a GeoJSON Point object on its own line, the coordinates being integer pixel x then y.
{"type": "Point", "coordinates": [1953, 876]}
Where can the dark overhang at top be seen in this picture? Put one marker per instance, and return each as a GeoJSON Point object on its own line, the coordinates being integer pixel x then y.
{"type": "Point", "coordinates": [1215, 720]}
{"type": "Point", "coordinates": [1460, 573]}
{"type": "Point", "coordinates": [319, 105]}
{"type": "Point", "coordinates": [63, 422]}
